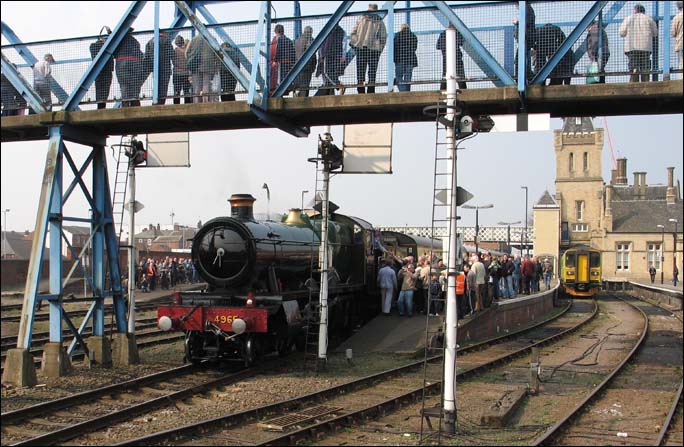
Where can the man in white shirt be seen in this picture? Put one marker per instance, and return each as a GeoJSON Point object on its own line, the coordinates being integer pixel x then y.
{"type": "Point", "coordinates": [42, 78]}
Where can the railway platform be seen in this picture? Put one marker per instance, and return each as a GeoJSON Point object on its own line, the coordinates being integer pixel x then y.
{"type": "Point", "coordinates": [403, 335]}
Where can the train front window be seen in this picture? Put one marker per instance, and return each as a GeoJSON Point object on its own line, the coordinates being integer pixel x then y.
{"type": "Point", "coordinates": [595, 260]}
{"type": "Point", "coordinates": [570, 260]}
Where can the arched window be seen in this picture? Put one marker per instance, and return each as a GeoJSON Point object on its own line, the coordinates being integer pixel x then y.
{"type": "Point", "coordinates": [571, 162]}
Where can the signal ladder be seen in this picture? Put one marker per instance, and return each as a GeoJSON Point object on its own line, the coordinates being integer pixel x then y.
{"type": "Point", "coordinates": [314, 308]}
{"type": "Point", "coordinates": [120, 188]}
{"type": "Point", "coordinates": [435, 332]}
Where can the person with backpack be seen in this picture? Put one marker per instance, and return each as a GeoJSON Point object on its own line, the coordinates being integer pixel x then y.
{"type": "Point", "coordinates": [495, 275]}
{"type": "Point", "coordinates": [303, 81]}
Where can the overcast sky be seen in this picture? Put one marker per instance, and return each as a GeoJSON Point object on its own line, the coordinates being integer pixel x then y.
{"type": "Point", "coordinates": [492, 167]}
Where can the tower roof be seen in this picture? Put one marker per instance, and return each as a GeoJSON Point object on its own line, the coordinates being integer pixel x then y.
{"type": "Point", "coordinates": [578, 124]}
{"type": "Point", "coordinates": [546, 201]}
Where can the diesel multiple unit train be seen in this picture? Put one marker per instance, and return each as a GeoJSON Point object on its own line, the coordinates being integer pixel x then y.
{"type": "Point", "coordinates": [261, 277]}
{"type": "Point", "coordinates": [580, 271]}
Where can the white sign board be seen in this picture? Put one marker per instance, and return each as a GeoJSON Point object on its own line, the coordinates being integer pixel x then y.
{"type": "Point", "coordinates": [522, 122]}
{"type": "Point", "coordinates": [168, 150]}
{"type": "Point", "coordinates": [367, 149]}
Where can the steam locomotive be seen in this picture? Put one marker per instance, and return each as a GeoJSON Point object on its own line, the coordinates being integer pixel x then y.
{"type": "Point", "coordinates": [261, 277]}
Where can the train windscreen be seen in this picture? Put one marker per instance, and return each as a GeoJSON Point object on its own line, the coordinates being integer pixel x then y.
{"type": "Point", "coordinates": [595, 260]}
{"type": "Point", "coordinates": [570, 259]}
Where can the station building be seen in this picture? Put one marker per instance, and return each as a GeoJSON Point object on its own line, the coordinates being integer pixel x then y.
{"type": "Point", "coordinates": [619, 219]}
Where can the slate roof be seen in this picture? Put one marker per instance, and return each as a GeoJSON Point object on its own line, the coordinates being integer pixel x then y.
{"type": "Point", "coordinates": [76, 230]}
{"type": "Point", "coordinates": [626, 192]}
{"type": "Point", "coordinates": [19, 247]}
{"type": "Point", "coordinates": [585, 125]}
{"type": "Point", "coordinates": [642, 216]}
{"type": "Point", "coordinates": [546, 200]}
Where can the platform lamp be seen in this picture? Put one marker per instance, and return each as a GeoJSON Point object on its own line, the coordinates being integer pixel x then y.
{"type": "Point", "coordinates": [268, 201]}
{"type": "Point", "coordinates": [674, 246]}
{"type": "Point", "coordinates": [508, 233]}
{"type": "Point", "coordinates": [477, 209]}
{"type": "Point", "coordinates": [662, 253]}
{"type": "Point", "coordinates": [303, 192]}
{"type": "Point", "coordinates": [4, 234]}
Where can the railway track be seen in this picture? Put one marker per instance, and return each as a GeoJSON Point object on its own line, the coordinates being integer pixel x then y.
{"type": "Point", "coordinates": [45, 316]}
{"type": "Point", "coordinates": [152, 338]}
{"type": "Point", "coordinates": [89, 411]}
{"type": "Point", "coordinates": [626, 405]}
{"type": "Point", "coordinates": [40, 338]}
{"type": "Point", "coordinates": [356, 399]}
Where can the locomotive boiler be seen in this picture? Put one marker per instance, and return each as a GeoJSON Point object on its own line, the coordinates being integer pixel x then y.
{"type": "Point", "coordinates": [262, 283]}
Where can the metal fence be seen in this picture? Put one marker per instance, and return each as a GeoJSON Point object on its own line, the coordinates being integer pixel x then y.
{"type": "Point", "coordinates": [357, 57]}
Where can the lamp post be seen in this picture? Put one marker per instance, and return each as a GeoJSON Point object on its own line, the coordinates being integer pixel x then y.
{"type": "Point", "coordinates": [662, 253]}
{"type": "Point", "coordinates": [527, 248]}
{"type": "Point", "coordinates": [508, 232]}
{"type": "Point", "coordinates": [674, 246]}
{"type": "Point", "coordinates": [268, 201]}
{"type": "Point", "coordinates": [4, 234]}
{"type": "Point", "coordinates": [303, 192]}
{"type": "Point", "coordinates": [477, 209]}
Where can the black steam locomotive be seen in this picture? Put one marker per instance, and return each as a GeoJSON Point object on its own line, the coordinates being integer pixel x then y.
{"type": "Point", "coordinates": [261, 277]}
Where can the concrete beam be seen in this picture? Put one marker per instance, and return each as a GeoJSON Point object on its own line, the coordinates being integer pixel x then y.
{"type": "Point", "coordinates": [570, 100]}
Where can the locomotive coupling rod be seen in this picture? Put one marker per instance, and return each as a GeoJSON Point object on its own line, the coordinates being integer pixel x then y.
{"type": "Point", "coordinates": [186, 316]}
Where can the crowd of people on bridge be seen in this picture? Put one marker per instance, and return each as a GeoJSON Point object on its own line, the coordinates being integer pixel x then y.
{"type": "Point", "coordinates": [485, 279]}
{"type": "Point", "coordinates": [197, 73]}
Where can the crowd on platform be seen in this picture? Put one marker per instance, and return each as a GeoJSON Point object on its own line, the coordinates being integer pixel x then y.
{"type": "Point", "coordinates": [165, 273]}
{"type": "Point", "coordinates": [198, 74]}
{"type": "Point", "coordinates": [481, 281]}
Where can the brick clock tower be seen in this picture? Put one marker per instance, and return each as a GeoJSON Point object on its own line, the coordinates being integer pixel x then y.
{"type": "Point", "coordinates": [579, 184]}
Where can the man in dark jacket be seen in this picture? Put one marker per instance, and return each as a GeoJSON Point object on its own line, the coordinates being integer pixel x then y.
{"type": "Point", "coordinates": [129, 69]}
{"type": "Point", "coordinates": [166, 55]}
{"type": "Point", "coordinates": [282, 56]}
{"type": "Point", "coordinates": [103, 82]}
{"type": "Point", "coordinates": [527, 272]}
{"type": "Point", "coordinates": [228, 81]}
{"type": "Point", "coordinates": [331, 61]}
{"type": "Point", "coordinates": [549, 39]}
{"type": "Point", "coordinates": [530, 37]}
{"type": "Point", "coordinates": [405, 59]}
{"type": "Point", "coordinates": [12, 101]}
{"type": "Point", "coordinates": [460, 68]}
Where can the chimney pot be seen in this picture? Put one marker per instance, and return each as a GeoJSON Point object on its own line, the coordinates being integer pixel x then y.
{"type": "Point", "coordinates": [636, 185]}
{"type": "Point", "coordinates": [670, 177]}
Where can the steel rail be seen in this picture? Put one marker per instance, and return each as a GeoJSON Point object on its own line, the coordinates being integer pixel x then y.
{"type": "Point", "coordinates": [141, 344]}
{"type": "Point", "coordinates": [58, 404]}
{"type": "Point", "coordinates": [669, 419]}
{"type": "Point", "coordinates": [44, 316]}
{"type": "Point", "coordinates": [10, 341]}
{"type": "Point", "coordinates": [72, 431]}
{"type": "Point", "coordinates": [249, 414]}
{"type": "Point", "coordinates": [552, 433]}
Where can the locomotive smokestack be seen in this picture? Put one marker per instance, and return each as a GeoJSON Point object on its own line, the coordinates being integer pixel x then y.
{"type": "Point", "coordinates": [242, 206]}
